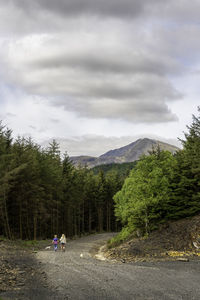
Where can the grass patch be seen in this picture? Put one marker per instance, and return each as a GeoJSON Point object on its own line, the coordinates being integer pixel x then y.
{"type": "Point", "coordinates": [29, 244]}
{"type": "Point", "coordinates": [26, 244]}
{"type": "Point", "coordinates": [3, 238]}
{"type": "Point", "coordinates": [35, 245]}
{"type": "Point", "coordinates": [122, 236]}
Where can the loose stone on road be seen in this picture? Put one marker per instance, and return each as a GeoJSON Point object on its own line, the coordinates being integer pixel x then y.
{"type": "Point", "coordinates": [77, 274]}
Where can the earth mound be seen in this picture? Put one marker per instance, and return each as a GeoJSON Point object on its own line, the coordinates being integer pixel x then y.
{"type": "Point", "coordinates": [172, 241]}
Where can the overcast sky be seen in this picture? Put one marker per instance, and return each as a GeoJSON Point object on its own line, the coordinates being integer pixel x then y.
{"type": "Point", "coordinates": [98, 74]}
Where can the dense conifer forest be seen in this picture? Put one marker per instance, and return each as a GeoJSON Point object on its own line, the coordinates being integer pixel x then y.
{"type": "Point", "coordinates": [161, 187]}
{"type": "Point", "coordinates": [42, 193]}
{"type": "Point", "coordinates": [122, 169]}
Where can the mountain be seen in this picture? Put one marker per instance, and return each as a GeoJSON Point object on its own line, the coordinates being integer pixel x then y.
{"type": "Point", "coordinates": [83, 160]}
{"type": "Point", "coordinates": [128, 153]}
{"type": "Point", "coordinates": [122, 170]}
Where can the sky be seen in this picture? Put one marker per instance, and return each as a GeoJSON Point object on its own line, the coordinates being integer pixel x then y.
{"type": "Point", "coordinates": [95, 74]}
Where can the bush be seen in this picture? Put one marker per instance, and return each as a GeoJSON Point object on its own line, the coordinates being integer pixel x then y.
{"type": "Point", "coordinates": [123, 235]}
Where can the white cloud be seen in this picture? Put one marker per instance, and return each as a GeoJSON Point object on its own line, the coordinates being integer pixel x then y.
{"type": "Point", "coordinates": [91, 79]}
{"type": "Point", "coordinates": [117, 68]}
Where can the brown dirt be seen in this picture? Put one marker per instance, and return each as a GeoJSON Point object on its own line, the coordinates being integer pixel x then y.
{"type": "Point", "coordinates": [20, 277]}
{"type": "Point", "coordinates": [172, 241]}
{"type": "Point", "coordinates": [45, 275]}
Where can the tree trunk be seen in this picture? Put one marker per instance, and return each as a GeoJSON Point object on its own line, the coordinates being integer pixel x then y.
{"type": "Point", "coordinates": [68, 222]}
{"type": "Point", "coordinates": [83, 219]}
{"type": "Point", "coordinates": [6, 218]}
{"type": "Point", "coordinates": [75, 223]}
{"type": "Point", "coordinates": [57, 217]}
{"type": "Point", "coordinates": [35, 227]}
{"type": "Point", "coordinates": [79, 221]}
{"type": "Point", "coordinates": [100, 219]}
{"type": "Point", "coordinates": [108, 219]}
{"type": "Point", "coordinates": [146, 223]}
{"type": "Point", "coordinates": [20, 220]}
{"type": "Point", "coordinates": [89, 219]}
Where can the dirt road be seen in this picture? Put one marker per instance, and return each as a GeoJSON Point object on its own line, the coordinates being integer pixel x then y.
{"type": "Point", "coordinates": [76, 274]}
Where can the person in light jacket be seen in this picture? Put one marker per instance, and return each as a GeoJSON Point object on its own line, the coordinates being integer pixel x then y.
{"type": "Point", "coordinates": [63, 242]}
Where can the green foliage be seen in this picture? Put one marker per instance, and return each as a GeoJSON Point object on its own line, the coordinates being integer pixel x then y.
{"type": "Point", "coordinates": [29, 244]}
{"type": "Point", "coordinates": [162, 186]}
{"type": "Point", "coordinates": [139, 203]}
{"type": "Point", "coordinates": [123, 169]}
{"type": "Point", "coordinates": [42, 194]}
{"type": "Point", "coordinates": [185, 195]}
{"type": "Point", "coordinates": [122, 236]}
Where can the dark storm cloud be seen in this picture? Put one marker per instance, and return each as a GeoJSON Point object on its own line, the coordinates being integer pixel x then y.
{"type": "Point", "coordinates": [116, 62]}
{"type": "Point", "coordinates": [148, 111]}
{"type": "Point", "coordinates": [42, 16]}
{"type": "Point", "coordinates": [179, 10]}
{"type": "Point", "coordinates": [116, 8]}
{"type": "Point", "coordinates": [156, 88]}
{"type": "Point", "coordinates": [118, 83]}
{"type": "Point", "coordinates": [101, 59]}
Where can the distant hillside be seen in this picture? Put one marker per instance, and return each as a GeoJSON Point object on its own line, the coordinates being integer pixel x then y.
{"type": "Point", "coordinates": [129, 153]}
{"type": "Point", "coordinates": [122, 169]}
{"type": "Point", "coordinates": [82, 160]}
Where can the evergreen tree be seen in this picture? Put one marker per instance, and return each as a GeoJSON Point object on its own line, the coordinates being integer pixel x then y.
{"type": "Point", "coordinates": [185, 193]}
{"type": "Point", "coordinates": [42, 194]}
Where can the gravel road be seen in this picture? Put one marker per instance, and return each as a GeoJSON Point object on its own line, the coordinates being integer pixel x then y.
{"type": "Point", "coordinates": [71, 275]}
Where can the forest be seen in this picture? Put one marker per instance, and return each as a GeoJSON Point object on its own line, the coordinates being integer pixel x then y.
{"type": "Point", "coordinates": [123, 169]}
{"type": "Point", "coordinates": [162, 187]}
{"type": "Point", "coordinates": [42, 193]}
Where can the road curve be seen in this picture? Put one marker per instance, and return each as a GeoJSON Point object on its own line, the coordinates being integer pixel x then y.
{"type": "Point", "coordinates": [76, 274]}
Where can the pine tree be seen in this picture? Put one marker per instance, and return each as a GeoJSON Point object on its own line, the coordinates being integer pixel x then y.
{"type": "Point", "coordinates": [185, 195]}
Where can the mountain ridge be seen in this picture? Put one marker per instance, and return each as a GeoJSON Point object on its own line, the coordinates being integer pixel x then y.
{"type": "Point", "coordinates": [127, 153]}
